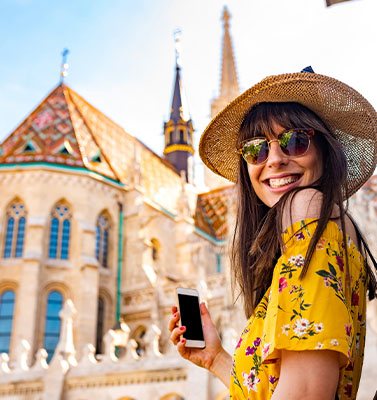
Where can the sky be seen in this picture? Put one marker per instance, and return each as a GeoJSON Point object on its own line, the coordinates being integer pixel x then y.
{"type": "Point", "coordinates": [122, 56]}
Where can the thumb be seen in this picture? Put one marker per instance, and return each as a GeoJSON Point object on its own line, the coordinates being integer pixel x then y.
{"type": "Point", "coordinates": [205, 313]}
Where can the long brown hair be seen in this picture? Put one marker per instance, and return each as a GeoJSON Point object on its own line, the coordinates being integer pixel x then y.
{"type": "Point", "coordinates": [257, 239]}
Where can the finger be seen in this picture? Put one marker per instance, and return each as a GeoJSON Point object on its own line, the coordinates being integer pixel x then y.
{"type": "Point", "coordinates": [173, 322]}
{"type": "Point", "coordinates": [206, 317]}
{"type": "Point", "coordinates": [176, 335]}
{"type": "Point", "coordinates": [204, 312]}
{"type": "Point", "coordinates": [174, 309]}
{"type": "Point", "coordinates": [182, 349]}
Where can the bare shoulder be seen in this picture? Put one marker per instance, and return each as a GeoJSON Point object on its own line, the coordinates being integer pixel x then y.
{"type": "Point", "coordinates": [306, 204]}
{"type": "Point", "coordinates": [301, 205]}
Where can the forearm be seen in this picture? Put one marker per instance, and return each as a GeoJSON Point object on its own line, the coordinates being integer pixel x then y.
{"type": "Point", "coordinates": [222, 367]}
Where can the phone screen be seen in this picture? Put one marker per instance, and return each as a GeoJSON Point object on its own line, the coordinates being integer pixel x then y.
{"type": "Point", "coordinates": [190, 317]}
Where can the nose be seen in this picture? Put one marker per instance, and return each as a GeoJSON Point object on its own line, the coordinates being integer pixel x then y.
{"type": "Point", "coordinates": [276, 157]}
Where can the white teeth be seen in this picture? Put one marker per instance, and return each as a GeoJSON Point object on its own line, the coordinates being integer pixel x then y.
{"type": "Point", "coordinates": [282, 181]}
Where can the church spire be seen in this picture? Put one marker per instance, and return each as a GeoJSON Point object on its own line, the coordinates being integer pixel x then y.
{"type": "Point", "coordinates": [64, 66]}
{"type": "Point", "coordinates": [229, 88]}
{"type": "Point", "coordinates": [178, 131]}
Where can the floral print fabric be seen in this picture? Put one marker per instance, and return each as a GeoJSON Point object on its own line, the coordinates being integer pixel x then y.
{"type": "Point", "coordinates": [314, 313]}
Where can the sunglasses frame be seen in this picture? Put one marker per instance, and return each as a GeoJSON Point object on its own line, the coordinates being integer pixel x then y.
{"type": "Point", "coordinates": [308, 132]}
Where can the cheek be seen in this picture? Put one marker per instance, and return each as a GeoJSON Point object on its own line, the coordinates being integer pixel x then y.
{"type": "Point", "coordinates": [254, 173]}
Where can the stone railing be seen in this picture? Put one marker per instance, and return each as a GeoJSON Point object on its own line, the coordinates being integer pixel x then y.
{"type": "Point", "coordinates": [47, 381]}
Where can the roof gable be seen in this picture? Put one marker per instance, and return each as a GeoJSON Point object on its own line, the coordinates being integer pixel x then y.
{"type": "Point", "coordinates": [52, 133]}
{"type": "Point", "coordinates": [65, 129]}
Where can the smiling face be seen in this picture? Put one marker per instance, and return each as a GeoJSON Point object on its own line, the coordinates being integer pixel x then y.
{"type": "Point", "coordinates": [280, 173]}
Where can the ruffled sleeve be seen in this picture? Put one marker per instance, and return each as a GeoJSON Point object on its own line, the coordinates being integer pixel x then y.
{"type": "Point", "coordinates": [312, 313]}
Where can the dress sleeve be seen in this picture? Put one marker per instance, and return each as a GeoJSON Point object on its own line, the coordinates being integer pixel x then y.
{"type": "Point", "coordinates": [312, 313]}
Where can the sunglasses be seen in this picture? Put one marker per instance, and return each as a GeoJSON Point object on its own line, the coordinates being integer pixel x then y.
{"type": "Point", "coordinates": [292, 142]}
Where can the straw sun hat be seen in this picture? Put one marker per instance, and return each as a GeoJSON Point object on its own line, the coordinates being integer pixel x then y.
{"type": "Point", "coordinates": [348, 115]}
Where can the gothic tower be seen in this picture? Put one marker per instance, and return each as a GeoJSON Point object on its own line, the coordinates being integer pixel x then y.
{"type": "Point", "coordinates": [229, 89]}
{"type": "Point", "coordinates": [178, 131]}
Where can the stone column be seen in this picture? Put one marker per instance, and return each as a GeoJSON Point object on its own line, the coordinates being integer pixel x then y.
{"type": "Point", "coordinates": [87, 287]}
{"type": "Point", "coordinates": [88, 307]}
{"type": "Point", "coordinates": [28, 290]}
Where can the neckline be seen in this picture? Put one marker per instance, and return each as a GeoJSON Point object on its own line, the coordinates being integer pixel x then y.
{"type": "Point", "coordinates": [292, 230]}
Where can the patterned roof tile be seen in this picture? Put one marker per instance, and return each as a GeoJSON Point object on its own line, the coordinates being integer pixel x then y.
{"type": "Point", "coordinates": [211, 211]}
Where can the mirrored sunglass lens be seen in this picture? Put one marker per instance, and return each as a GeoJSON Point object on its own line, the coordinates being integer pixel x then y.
{"type": "Point", "coordinates": [255, 152]}
{"type": "Point", "coordinates": [294, 143]}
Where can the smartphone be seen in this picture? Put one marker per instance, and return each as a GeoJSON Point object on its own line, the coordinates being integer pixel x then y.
{"type": "Point", "coordinates": [189, 310]}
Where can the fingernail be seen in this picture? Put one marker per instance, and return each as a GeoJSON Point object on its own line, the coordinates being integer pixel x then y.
{"type": "Point", "coordinates": [183, 341]}
{"type": "Point", "coordinates": [175, 315]}
{"type": "Point", "coordinates": [182, 328]}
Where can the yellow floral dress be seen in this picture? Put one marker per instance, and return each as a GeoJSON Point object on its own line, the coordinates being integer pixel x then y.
{"type": "Point", "coordinates": [308, 314]}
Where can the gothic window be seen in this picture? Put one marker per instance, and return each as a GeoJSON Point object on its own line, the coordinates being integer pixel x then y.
{"type": "Point", "coordinates": [100, 324]}
{"type": "Point", "coordinates": [15, 230]}
{"type": "Point", "coordinates": [52, 322]}
{"type": "Point", "coordinates": [60, 229]}
{"type": "Point", "coordinates": [155, 249]}
{"type": "Point", "coordinates": [6, 319]}
{"type": "Point", "coordinates": [181, 136]}
{"type": "Point", "coordinates": [102, 239]}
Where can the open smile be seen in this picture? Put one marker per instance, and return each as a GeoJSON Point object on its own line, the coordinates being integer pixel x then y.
{"type": "Point", "coordinates": [282, 182]}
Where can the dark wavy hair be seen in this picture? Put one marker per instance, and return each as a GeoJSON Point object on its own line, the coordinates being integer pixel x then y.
{"type": "Point", "coordinates": [257, 238]}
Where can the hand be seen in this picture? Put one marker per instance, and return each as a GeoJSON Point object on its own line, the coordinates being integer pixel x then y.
{"type": "Point", "coordinates": [206, 357]}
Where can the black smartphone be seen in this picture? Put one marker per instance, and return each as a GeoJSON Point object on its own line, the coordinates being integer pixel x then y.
{"type": "Point", "coordinates": [189, 310]}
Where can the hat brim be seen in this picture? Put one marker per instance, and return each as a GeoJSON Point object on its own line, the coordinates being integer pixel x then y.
{"type": "Point", "coordinates": [348, 115]}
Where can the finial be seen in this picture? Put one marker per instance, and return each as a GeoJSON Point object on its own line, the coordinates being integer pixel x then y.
{"type": "Point", "coordinates": [178, 48]}
{"type": "Point", "coordinates": [226, 17]}
{"type": "Point", "coordinates": [64, 66]}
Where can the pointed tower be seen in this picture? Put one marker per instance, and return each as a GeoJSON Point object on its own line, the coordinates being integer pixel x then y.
{"type": "Point", "coordinates": [229, 90]}
{"type": "Point", "coordinates": [178, 131]}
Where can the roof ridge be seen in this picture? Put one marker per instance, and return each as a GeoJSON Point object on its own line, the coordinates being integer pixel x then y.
{"type": "Point", "coordinates": [66, 93]}
{"type": "Point", "coordinates": [97, 110]}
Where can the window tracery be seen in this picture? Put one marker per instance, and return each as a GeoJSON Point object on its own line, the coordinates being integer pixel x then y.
{"type": "Point", "coordinates": [60, 229]}
{"type": "Point", "coordinates": [102, 239]}
{"type": "Point", "coordinates": [15, 230]}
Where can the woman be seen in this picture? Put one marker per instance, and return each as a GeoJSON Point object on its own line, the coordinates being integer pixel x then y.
{"type": "Point", "coordinates": [297, 145]}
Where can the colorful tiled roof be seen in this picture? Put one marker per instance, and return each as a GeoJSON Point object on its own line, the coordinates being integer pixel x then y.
{"type": "Point", "coordinates": [211, 211]}
{"type": "Point", "coordinates": [65, 129]}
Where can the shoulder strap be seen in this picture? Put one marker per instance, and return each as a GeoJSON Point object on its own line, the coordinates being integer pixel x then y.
{"type": "Point", "coordinates": [371, 273]}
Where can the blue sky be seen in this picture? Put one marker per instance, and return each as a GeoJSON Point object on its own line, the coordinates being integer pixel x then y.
{"type": "Point", "coordinates": [122, 52]}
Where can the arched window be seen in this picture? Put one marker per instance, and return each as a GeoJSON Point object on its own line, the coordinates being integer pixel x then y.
{"type": "Point", "coordinates": [138, 336]}
{"type": "Point", "coordinates": [156, 246]}
{"type": "Point", "coordinates": [102, 239]}
{"type": "Point", "coordinates": [52, 324]}
{"type": "Point", "coordinates": [60, 228]}
{"type": "Point", "coordinates": [100, 324]}
{"type": "Point", "coordinates": [6, 319]}
{"type": "Point", "coordinates": [15, 231]}
{"type": "Point", "coordinates": [181, 136]}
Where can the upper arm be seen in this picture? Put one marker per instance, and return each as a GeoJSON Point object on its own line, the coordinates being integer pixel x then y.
{"type": "Point", "coordinates": [304, 204]}
{"type": "Point", "coordinates": [308, 375]}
